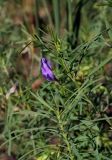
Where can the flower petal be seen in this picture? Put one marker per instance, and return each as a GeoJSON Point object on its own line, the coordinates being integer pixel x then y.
{"type": "Point", "coordinates": [46, 70]}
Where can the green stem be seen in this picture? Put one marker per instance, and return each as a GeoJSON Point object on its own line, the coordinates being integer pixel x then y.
{"type": "Point", "coordinates": [64, 134]}
{"type": "Point", "coordinates": [56, 8]}
{"type": "Point", "coordinates": [69, 6]}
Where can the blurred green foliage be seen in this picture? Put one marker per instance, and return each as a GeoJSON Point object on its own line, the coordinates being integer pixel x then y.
{"type": "Point", "coordinates": [69, 119]}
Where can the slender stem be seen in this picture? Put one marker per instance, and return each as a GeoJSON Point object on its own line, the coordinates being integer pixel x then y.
{"type": "Point", "coordinates": [69, 15]}
{"type": "Point", "coordinates": [56, 8]}
{"type": "Point", "coordinates": [64, 134]}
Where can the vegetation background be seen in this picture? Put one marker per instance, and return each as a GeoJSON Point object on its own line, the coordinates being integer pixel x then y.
{"type": "Point", "coordinates": [66, 120]}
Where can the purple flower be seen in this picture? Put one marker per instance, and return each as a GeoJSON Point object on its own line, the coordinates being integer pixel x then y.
{"type": "Point", "coordinates": [46, 70]}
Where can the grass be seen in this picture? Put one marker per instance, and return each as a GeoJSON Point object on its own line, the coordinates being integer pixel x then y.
{"type": "Point", "coordinates": [66, 120]}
